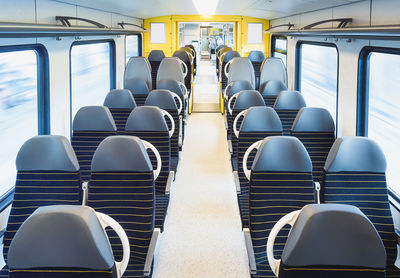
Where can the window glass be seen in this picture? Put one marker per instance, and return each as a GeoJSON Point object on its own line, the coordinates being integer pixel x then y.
{"type": "Point", "coordinates": [280, 44]}
{"type": "Point", "coordinates": [318, 83]}
{"type": "Point", "coordinates": [131, 47]}
{"type": "Point", "coordinates": [18, 109]}
{"type": "Point", "coordinates": [384, 108]}
{"type": "Point", "coordinates": [90, 74]}
{"type": "Point", "coordinates": [280, 49]}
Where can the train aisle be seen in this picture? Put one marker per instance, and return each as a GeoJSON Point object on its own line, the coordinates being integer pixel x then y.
{"type": "Point", "coordinates": [203, 236]}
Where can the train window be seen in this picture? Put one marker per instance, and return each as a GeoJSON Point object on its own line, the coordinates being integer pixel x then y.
{"type": "Point", "coordinates": [92, 73]}
{"type": "Point", "coordinates": [382, 106]}
{"type": "Point", "coordinates": [279, 48]}
{"type": "Point", "coordinates": [317, 75]}
{"type": "Point", "coordinates": [22, 97]}
{"type": "Point", "coordinates": [132, 46]}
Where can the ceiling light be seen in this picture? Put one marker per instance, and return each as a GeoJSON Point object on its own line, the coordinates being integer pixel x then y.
{"type": "Point", "coordinates": [206, 7]}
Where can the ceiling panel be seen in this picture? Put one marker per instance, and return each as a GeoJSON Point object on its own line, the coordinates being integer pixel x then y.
{"type": "Point", "coordinates": [268, 9]}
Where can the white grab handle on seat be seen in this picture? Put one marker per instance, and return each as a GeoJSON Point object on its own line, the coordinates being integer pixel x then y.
{"type": "Point", "coordinates": [183, 89]}
{"type": "Point", "coordinates": [235, 96]}
{"type": "Point", "coordinates": [228, 87]}
{"type": "Point", "coordinates": [148, 145]}
{"type": "Point", "coordinates": [191, 57]}
{"type": "Point", "coordinates": [227, 67]}
{"type": "Point", "coordinates": [107, 221]}
{"type": "Point", "coordinates": [241, 114]}
{"type": "Point", "coordinates": [288, 219]}
{"type": "Point", "coordinates": [255, 146]}
{"type": "Point", "coordinates": [180, 107]}
{"type": "Point", "coordinates": [165, 113]}
{"type": "Point", "coordinates": [185, 72]}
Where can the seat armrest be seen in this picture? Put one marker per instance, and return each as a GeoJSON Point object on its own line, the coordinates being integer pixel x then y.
{"type": "Point", "coordinates": [237, 181]}
{"type": "Point", "coordinates": [85, 189]}
{"type": "Point", "coordinates": [317, 192]}
{"type": "Point", "coordinates": [230, 148]}
{"type": "Point", "coordinates": [250, 251]}
{"type": "Point", "coordinates": [150, 252]}
{"type": "Point", "coordinates": [169, 182]}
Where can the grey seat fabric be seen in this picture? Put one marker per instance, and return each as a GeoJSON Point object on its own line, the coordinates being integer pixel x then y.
{"type": "Point", "coordinates": [237, 86]}
{"type": "Point", "coordinates": [241, 68]}
{"type": "Point", "coordinates": [120, 99]}
{"type": "Point", "coordinates": [61, 236]}
{"type": "Point", "coordinates": [332, 240]}
{"type": "Point", "coordinates": [273, 69]}
{"type": "Point", "coordinates": [147, 118]}
{"type": "Point", "coordinates": [271, 91]}
{"type": "Point", "coordinates": [287, 105]}
{"type": "Point", "coordinates": [257, 58]}
{"type": "Point", "coordinates": [171, 68]}
{"type": "Point", "coordinates": [225, 58]}
{"type": "Point", "coordinates": [155, 58]}
{"type": "Point", "coordinates": [94, 118]}
{"type": "Point", "coordinates": [47, 153]}
{"type": "Point", "coordinates": [138, 68]}
{"type": "Point", "coordinates": [181, 54]}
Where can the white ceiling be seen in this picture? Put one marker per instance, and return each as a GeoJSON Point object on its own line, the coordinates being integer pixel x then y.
{"type": "Point", "coordinates": [268, 9]}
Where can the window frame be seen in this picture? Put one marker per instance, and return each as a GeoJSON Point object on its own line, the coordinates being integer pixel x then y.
{"type": "Point", "coordinates": [140, 44]}
{"type": "Point", "coordinates": [363, 100]}
{"type": "Point", "coordinates": [113, 68]}
{"type": "Point", "coordinates": [298, 67]}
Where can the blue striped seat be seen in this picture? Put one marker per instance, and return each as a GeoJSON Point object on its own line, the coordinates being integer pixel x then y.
{"type": "Point", "coordinates": [354, 174]}
{"type": "Point", "coordinates": [232, 89]}
{"type": "Point", "coordinates": [226, 57]}
{"type": "Point", "coordinates": [184, 57]}
{"type": "Point", "coordinates": [92, 124]}
{"type": "Point", "coordinates": [257, 58]}
{"type": "Point", "coordinates": [148, 123]}
{"type": "Point", "coordinates": [48, 174]}
{"type": "Point", "coordinates": [272, 69]}
{"type": "Point", "coordinates": [280, 182]}
{"type": "Point", "coordinates": [316, 130]}
{"type": "Point", "coordinates": [287, 105]}
{"type": "Point", "coordinates": [155, 57]}
{"type": "Point", "coordinates": [271, 91]}
{"type": "Point", "coordinates": [137, 78]}
{"type": "Point", "coordinates": [122, 186]}
{"type": "Point", "coordinates": [219, 51]}
{"type": "Point", "coordinates": [120, 103]}
{"type": "Point", "coordinates": [76, 245]}
{"type": "Point", "coordinates": [332, 241]}
{"type": "Point", "coordinates": [244, 100]}
{"type": "Point", "coordinates": [258, 123]}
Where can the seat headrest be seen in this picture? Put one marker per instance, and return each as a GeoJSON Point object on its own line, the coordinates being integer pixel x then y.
{"type": "Point", "coordinates": [137, 86]}
{"type": "Point", "coordinates": [225, 49]}
{"type": "Point", "coordinates": [335, 235]}
{"type": "Point", "coordinates": [230, 55]}
{"type": "Point", "coordinates": [146, 118]}
{"type": "Point", "coordinates": [261, 119]}
{"type": "Point", "coordinates": [61, 236]}
{"type": "Point", "coordinates": [190, 46]}
{"type": "Point", "coordinates": [289, 100]}
{"type": "Point", "coordinates": [171, 85]}
{"type": "Point", "coordinates": [273, 88]}
{"type": "Point", "coordinates": [138, 68]}
{"type": "Point", "coordinates": [156, 55]}
{"type": "Point", "coordinates": [47, 153]}
{"type": "Point", "coordinates": [239, 85]}
{"type": "Point", "coordinates": [355, 154]}
{"type": "Point", "coordinates": [94, 118]}
{"type": "Point", "coordinates": [312, 119]}
{"type": "Point", "coordinates": [181, 54]}
{"type": "Point", "coordinates": [120, 99]}
{"type": "Point", "coordinates": [219, 47]}
{"type": "Point", "coordinates": [171, 68]}
{"type": "Point", "coordinates": [282, 154]}
{"type": "Point", "coordinates": [257, 56]}
{"type": "Point", "coordinates": [121, 154]}
{"type": "Point", "coordinates": [247, 99]}
{"type": "Point", "coordinates": [162, 99]}
{"type": "Point", "coordinates": [273, 69]}
{"type": "Point", "coordinates": [241, 68]}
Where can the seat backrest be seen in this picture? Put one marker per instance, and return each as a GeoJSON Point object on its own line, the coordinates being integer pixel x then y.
{"type": "Point", "coordinates": [184, 57]}
{"type": "Point", "coordinates": [354, 174]}
{"type": "Point", "coordinates": [257, 58]}
{"type": "Point", "coordinates": [280, 182]}
{"type": "Point", "coordinates": [171, 68]}
{"type": "Point", "coordinates": [148, 123]}
{"type": "Point", "coordinates": [120, 103]}
{"type": "Point", "coordinates": [122, 186]}
{"type": "Point", "coordinates": [235, 87]}
{"type": "Point", "coordinates": [219, 51]}
{"type": "Point", "coordinates": [271, 91]}
{"type": "Point", "coordinates": [165, 100]}
{"type": "Point", "coordinates": [273, 69]}
{"type": "Point", "coordinates": [287, 105]}
{"type": "Point", "coordinates": [331, 240]}
{"type": "Point", "coordinates": [61, 241]}
{"type": "Point", "coordinates": [137, 68]}
{"type": "Point", "coordinates": [258, 123]}
{"type": "Point", "coordinates": [155, 58]}
{"type": "Point", "coordinates": [139, 90]}
{"type": "Point", "coordinates": [316, 130]}
{"type": "Point", "coordinates": [241, 68]}
{"type": "Point", "coordinates": [225, 58]}
{"type": "Point", "coordinates": [47, 174]}
{"type": "Point", "coordinates": [91, 125]}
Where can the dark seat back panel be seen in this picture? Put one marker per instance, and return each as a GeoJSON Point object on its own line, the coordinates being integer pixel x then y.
{"type": "Point", "coordinates": [63, 273]}
{"type": "Point", "coordinates": [120, 117]}
{"type": "Point", "coordinates": [330, 272]}
{"type": "Point", "coordinates": [287, 118]}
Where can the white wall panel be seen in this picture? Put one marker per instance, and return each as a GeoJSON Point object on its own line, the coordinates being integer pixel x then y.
{"type": "Point", "coordinates": [385, 12]}
{"type": "Point", "coordinates": [360, 12]}
{"type": "Point", "coordinates": [96, 15]}
{"type": "Point", "coordinates": [47, 10]}
{"type": "Point", "coordinates": [22, 11]}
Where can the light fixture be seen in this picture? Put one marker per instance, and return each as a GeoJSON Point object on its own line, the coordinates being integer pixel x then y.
{"type": "Point", "coordinates": [206, 7]}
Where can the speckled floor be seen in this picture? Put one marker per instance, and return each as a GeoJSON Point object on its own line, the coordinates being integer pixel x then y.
{"type": "Point", "coordinates": [203, 236]}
